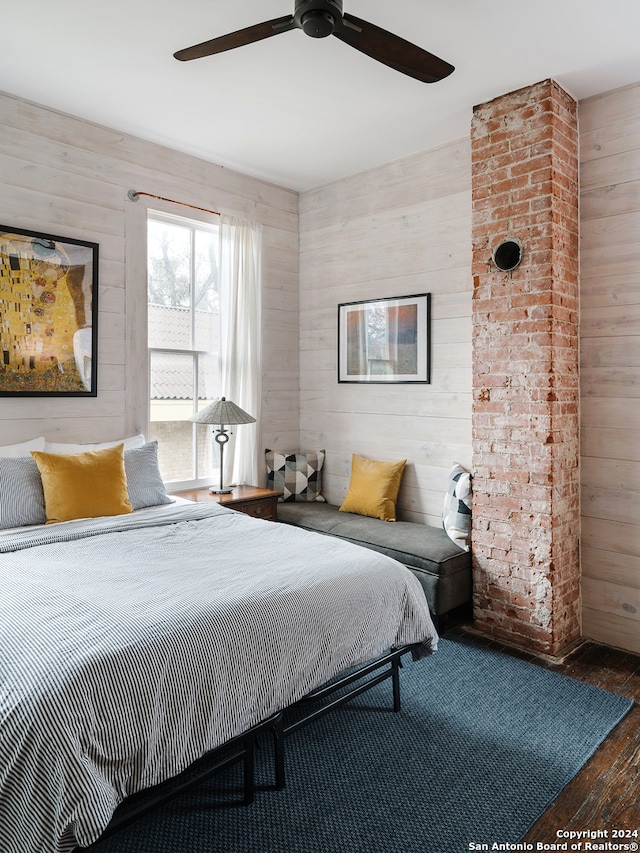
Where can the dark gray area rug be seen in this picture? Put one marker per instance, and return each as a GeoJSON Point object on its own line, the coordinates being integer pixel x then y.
{"type": "Point", "coordinates": [483, 744]}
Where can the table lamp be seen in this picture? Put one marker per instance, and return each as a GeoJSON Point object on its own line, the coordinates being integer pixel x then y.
{"type": "Point", "coordinates": [224, 413]}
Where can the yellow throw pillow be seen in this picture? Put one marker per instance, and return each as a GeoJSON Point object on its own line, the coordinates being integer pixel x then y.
{"type": "Point", "coordinates": [83, 485]}
{"type": "Point", "coordinates": [373, 488]}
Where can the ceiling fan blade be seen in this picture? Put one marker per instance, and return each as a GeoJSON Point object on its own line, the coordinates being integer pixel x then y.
{"type": "Point", "coordinates": [237, 39]}
{"type": "Point", "coordinates": [392, 50]}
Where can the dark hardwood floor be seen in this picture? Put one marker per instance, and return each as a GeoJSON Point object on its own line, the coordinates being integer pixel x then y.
{"type": "Point", "coordinates": [605, 793]}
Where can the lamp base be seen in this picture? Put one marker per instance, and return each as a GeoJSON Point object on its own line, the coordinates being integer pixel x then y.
{"type": "Point", "coordinates": [221, 491]}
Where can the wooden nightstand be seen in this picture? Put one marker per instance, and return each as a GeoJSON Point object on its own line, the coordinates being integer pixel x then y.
{"type": "Point", "coordinates": [252, 500]}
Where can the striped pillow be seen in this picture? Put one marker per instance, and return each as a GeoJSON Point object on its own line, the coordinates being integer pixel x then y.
{"type": "Point", "coordinates": [144, 483]}
{"type": "Point", "coordinates": [21, 493]}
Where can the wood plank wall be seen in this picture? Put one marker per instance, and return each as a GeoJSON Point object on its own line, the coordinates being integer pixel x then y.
{"type": "Point", "coordinates": [402, 229]}
{"type": "Point", "coordinates": [69, 177]}
{"type": "Point", "coordinates": [610, 366]}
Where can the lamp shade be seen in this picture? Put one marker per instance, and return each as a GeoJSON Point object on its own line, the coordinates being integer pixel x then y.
{"type": "Point", "coordinates": [223, 412]}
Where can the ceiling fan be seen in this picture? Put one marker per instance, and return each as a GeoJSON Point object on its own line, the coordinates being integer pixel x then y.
{"type": "Point", "coordinates": [321, 18]}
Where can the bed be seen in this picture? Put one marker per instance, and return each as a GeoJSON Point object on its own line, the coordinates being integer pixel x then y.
{"type": "Point", "coordinates": [134, 643]}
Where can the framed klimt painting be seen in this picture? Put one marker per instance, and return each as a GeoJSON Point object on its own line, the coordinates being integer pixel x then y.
{"type": "Point", "coordinates": [48, 314]}
{"type": "Point", "coordinates": [385, 340]}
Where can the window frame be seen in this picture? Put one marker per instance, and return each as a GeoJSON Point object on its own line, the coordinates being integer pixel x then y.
{"type": "Point", "coordinates": [194, 225]}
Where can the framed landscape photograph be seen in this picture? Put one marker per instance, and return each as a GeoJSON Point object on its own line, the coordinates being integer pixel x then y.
{"type": "Point", "coordinates": [384, 340]}
{"type": "Point", "coordinates": [48, 314]}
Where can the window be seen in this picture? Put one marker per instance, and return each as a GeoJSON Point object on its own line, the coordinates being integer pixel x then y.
{"type": "Point", "coordinates": [183, 341]}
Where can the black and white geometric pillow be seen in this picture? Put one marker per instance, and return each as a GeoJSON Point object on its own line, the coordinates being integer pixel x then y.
{"type": "Point", "coordinates": [456, 513]}
{"type": "Point", "coordinates": [297, 474]}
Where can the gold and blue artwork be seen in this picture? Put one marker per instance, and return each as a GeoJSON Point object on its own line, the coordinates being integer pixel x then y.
{"type": "Point", "coordinates": [48, 314]}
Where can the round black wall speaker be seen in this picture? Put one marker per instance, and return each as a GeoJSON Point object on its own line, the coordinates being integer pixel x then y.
{"type": "Point", "coordinates": [507, 255]}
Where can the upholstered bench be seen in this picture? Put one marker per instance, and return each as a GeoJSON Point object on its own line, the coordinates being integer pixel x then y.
{"type": "Point", "coordinates": [443, 569]}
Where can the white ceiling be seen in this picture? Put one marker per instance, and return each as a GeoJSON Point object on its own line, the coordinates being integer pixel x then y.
{"type": "Point", "coordinates": [297, 111]}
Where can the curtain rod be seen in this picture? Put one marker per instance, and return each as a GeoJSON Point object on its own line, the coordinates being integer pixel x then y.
{"type": "Point", "coordinates": [133, 195]}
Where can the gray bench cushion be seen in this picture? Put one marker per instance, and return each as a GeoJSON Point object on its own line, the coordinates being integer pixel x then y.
{"type": "Point", "coordinates": [443, 568]}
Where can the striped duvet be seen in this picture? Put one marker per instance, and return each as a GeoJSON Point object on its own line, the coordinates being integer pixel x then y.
{"type": "Point", "coordinates": [130, 646]}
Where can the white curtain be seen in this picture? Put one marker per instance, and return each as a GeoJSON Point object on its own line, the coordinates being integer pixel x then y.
{"type": "Point", "coordinates": [240, 357]}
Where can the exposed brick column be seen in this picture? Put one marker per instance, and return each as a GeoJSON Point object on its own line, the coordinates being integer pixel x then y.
{"type": "Point", "coordinates": [525, 370]}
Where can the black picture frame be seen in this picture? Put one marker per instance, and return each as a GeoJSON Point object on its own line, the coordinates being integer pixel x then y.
{"type": "Point", "coordinates": [385, 340]}
{"type": "Point", "coordinates": [48, 315]}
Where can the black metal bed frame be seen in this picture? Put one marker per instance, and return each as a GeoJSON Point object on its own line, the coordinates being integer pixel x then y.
{"type": "Point", "coordinates": [242, 747]}
{"type": "Point", "coordinates": [280, 730]}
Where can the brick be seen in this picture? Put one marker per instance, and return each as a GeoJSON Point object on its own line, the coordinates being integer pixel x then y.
{"type": "Point", "coordinates": [525, 402]}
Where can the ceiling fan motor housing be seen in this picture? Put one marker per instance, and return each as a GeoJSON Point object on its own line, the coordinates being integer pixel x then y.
{"type": "Point", "coordinates": [318, 18]}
